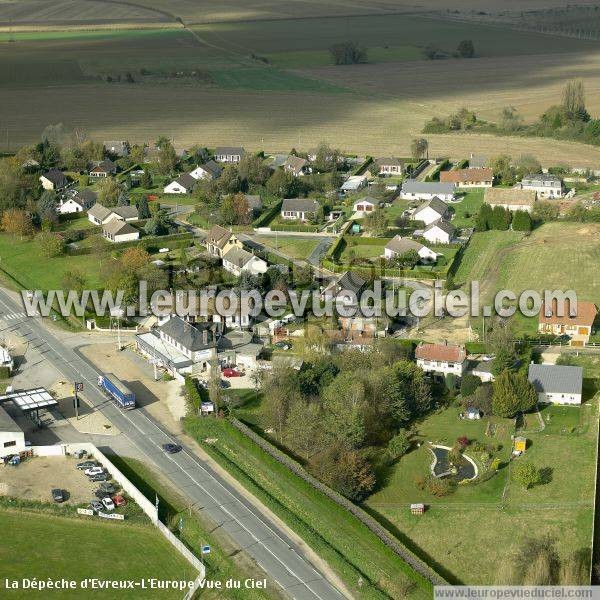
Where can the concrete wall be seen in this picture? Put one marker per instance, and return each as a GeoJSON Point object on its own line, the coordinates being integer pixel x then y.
{"type": "Point", "coordinates": [8, 437]}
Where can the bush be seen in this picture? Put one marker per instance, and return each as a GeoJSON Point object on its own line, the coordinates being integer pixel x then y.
{"type": "Point", "coordinates": [440, 487]}
{"type": "Point", "coordinates": [398, 446]}
{"type": "Point", "coordinates": [468, 384]}
{"type": "Point", "coordinates": [4, 372]}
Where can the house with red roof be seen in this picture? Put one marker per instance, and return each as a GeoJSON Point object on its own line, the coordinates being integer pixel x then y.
{"type": "Point", "coordinates": [441, 359]}
{"type": "Point", "coordinates": [575, 321]}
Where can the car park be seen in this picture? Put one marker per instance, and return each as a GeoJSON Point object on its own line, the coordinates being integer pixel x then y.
{"type": "Point", "coordinates": [58, 495]}
{"type": "Point", "coordinates": [119, 500]}
{"type": "Point", "coordinates": [96, 505]}
{"type": "Point", "coordinates": [171, 448]}
{"type": "Point", "coordinates": [94, 471]}
{"type": "Point", "coordinates": [86, 464]}
{"type": "Point", "coordinates": [108, 503]}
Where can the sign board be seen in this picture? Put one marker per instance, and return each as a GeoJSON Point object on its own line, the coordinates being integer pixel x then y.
{"type": "Point", "coordinates": [85, 511]}
{"type": "Point", "coordinates": [111, 516]}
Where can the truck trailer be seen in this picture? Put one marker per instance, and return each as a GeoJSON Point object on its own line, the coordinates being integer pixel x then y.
{"type": "Point", "coordinates": [117, 390]}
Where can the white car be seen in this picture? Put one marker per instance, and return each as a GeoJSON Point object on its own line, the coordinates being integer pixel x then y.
{"type": "Point", "coordinates": [94, 471]}
{"type": "Point", "coordinates": [108, 503]}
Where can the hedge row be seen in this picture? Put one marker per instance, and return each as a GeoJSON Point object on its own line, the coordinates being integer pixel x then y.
{"type": "Point", "coordinates": [268, 215]}
{"type": "Point", "coordinates": [151, 244]}
{"type": "Point", "coordinates": [377, 271]}
{"type": "Point", "coordinates": [307, 228]}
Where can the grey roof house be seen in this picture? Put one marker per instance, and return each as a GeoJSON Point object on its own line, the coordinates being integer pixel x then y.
{"type": "Point", "coordinates": [298, 208]}
{"type": "Point", "coordinates": [557, 384]}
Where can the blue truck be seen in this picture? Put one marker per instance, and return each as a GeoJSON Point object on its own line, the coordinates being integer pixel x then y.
{"type": "Point", "coordinates": [117, 390]}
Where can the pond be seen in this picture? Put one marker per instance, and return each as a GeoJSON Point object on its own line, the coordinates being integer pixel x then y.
{"type": "Point", "coordinates": [441, 466]}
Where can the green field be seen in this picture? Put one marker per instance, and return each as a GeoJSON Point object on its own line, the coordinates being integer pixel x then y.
{"type": "Point", "coordinates": [293, 246]}
{"type": "Point", "coordinates": [46, 546]}
{"type": "Point", "coordinates": [466, 210]}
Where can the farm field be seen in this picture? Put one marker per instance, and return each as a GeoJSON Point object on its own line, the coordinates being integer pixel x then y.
{"type": "Point", "coordinates": [471, 532]}
{"type": "Point", "coordinates": [291, 245]}
{"type": "Point", "coordinates": [98, 546]}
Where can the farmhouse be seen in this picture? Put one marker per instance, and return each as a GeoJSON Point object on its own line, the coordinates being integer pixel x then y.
{"type": "Point", "coordinates": [209, 170]}
{"type": "Point", "coordinates": [54, 180]}
{"type": "Point", "coordinates": [468, 178]}
{"type": "Point", "coordinates": [576, 322]}
{"type": "Point", "coordinates": [398, 246]}
{"type": "Point", "coordinates": [237, 260]}
{"type": "Point", "coordinates": [439, 232]}
{"type": "Point", "coordinates": [102, 168]}
{"type": "Point", "coordinates": [229, 154]}
{"type": "Point", "coordinates": [510, 198]}
{"type": "Point", "coordinates": [545, 185]}
{"type": "Point", "coordinates": [117, 231]}
{"type": "Point", "coordinates": [441, 359]}
{"type": "Point", "coordinates": [296, 165]}
{"type": "Point", "coordinates": [12, 438]}
{"type": "Point", "coordinates": [432, 211]}
{"type": "Point", "coordinates": [353, 184]}
{"type": "Point", "coordinates": [184, 184]}
{"type": "Point", "coordinates": [426, 190]}
{"type": "Point", "coordinates": [557, 384]}
{"type": "Point", "coordinates": [389, 166]}
{"type": "Point", "coordinates": [350, 283]}
{"type": "Point", "coordinates": [74, 201]}
{"type": "Point", "coordinates": [117, 148]}
{"type": "Point", "coordinates": [220, 240]}
{"type": "Point", "coordinates": [365, 205]}
{"type": "Point", "coordinates": [300, 209]}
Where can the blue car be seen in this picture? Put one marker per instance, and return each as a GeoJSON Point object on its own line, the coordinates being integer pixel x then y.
{"type": "Point", "coordinates": [171, 448]}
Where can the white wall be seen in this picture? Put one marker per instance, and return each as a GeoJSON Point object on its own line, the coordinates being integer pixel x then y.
{"type": "Point", "coordinates": [8, 437]}
{"type": "Point", "coordinates": [574, 399]}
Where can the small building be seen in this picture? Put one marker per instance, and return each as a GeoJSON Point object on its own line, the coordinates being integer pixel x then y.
{"type": "Point", "coordinates": [296, 165]}
{"type": "Point", "coordinates": [345, 288]}
{"type": "Point", "coordinates": [512, 199]}
{"type": "Point", "coordinates": [98, 214]}
{"type": "Point", "coordinates": [426, 190]}
{"type": "Point", "coordinates": [184, 184]}
{"type": "Point", "coordinates": [431, 211]}
{"type": "Point", "coordinates": [220, 240]}
{"type": "Point", "coordinates": [472, 413]}
{"type": "Point", "coordinates": [238, 260]}
{"type": "Point", "coordinates": [54, 180]}
{"type": "Point", "coordinates": [417, 508]}
{"type": "Point", "coordinates": [557, 384]}
{"type": "Point", "coordinates": [12, 438]}
{"type": "Point", "coordinates": [545, 185]}
{"type": "Point", "coordinates": [117, 147]}
{"type": "Point", "coordinates": [209, 170]}
{"type": "Point", "coordinates": [576, 321]}
{"type": "Point", "coordinates": [441, 359]}
{"type": "Point", "coordinates": [117, 231]}
{"type": "Point", "coordinates": [365, 205]}
{"type": "Point", "coordinates": [389, 166]}
{"type": "Point", "coordinates": [398, 246]}
{"type": "Point", "coordinates": [519, 444]}
{"type": "Point", "coordinates": [439, 232]}
{"type": "Point", "coordinates": [477, 161]}
{"type": "Point", "coordinates": [102, 168]}
{"type": "Point", "coordinates": [254, 203]}
{"type": "Point", "coordinates": [301, 209]}
{"type": "Point", "coordinates": [469, 178]}
{"type": "Point", "coordinates": [127, 212]}
{"type": "Point", "coordinates": [6, 359]}
{"type": "Point", "coordinates": [354, 183]}
{"type": "Point", "coordinates": [229, 154]}
{"type": "Point", "coordinates": [482, 369]}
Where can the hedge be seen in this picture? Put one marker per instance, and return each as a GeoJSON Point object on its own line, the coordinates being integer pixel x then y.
{"type": "Point", "coordinates": [360, 169]}
{"type": "Point", "coordinates": [150, 243]}
{"type": "Point", "coordinates": [435, 174]}
{"type": "Point", "coordinates": [268, 215]}
{"type": "Point", "coordinates": [307, 228]}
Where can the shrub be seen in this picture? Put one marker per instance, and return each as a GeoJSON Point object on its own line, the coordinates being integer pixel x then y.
{"type": "Point", "coordinates": [468, 384]}
{"type": "Point", "coordinates": [4, 372]}
{"type": "Point", "coordinates": [398, 446]}
{"type": "Point", "coordinates": [440, 487]}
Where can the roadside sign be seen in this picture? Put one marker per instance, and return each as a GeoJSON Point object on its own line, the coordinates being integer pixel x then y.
{"type": "Point", "coordinates": [111, 516]}
{"type": "Point", "coordinates": [85, 511]}
{"type": "Point", "coordinates": [205, 550]}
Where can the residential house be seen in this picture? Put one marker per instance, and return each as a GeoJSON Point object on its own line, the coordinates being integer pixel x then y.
{"type": "Point", "coordinates": [254, 203]}
{"type": "Point", "coordinates": [184, 184]}
{"type": "Point", "coordinates": [236, 260]}
{"type": "Point", "coordinates": [54, 180]}
{"type": "Point", "coordinates": [546, 186]}
{"type": "Point", "coordinates": [125, 213]}
{"type": "Point", "coordinates": [220, 240]}
{"type": "Point", "coordinates": [388, 166]}
{"type": "Point", "coordinates": [102, 168]}
{"type": "Point", "coordinates": [239, 348]}
{"type": "Point", "coordinates": [557, 384]}
{"type": "Point", "coordinates": [365, 205]}
{"type": "Point", "coordinates": [12, 437]}
{"type": "Point", "coordinates": [118, 231]}
{"type": "Point", "coordinates": [74, 201]}
{"type": "Point", "coordinates": [477, 161]}
{"type": "Point", "coordinates": [512, 199]}
{"type": "Point", "coordinates": [209, 170]}
{"type": "Point", "coordinates": [441, 359]}
{"type": "Point", "coordinates": [100, 215]}
{"type": "Point", "coordinates": [431, 211]}
{"type": "Point", "coordinates": [296, 165]}
{"type": "Point", "coordinates": [301, 209]}
{"type": "Point", "coordinates": [229, 154]}
{"type": "Point", "coordinates": [468, 178]}
{"type": "Point", "coordinates": [426, 190]}
{"type": "Point", "coordinates": [482, 369]}
{"type": "Point", "coordinates": [398, 246]}
{"type": "Point", "coordinates": [575, 322]}
{"type": "Point", "coordinates": [354, 183]}
{"type": "Point", "coordinates": [439, 232]}
{"type": "Point", "coordinates": [346, 288]}
{"type": "Point", "coordinates": [117, 148]}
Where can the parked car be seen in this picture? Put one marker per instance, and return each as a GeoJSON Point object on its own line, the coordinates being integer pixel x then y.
{"type": "Point", "coordinates": [94, 471]}
{"type": "Point", "coordinates": [100, 477]}
{"type": "Point", "coordinates": [171, 448]}
{"type": "Point", "coordinates": [119, 500]}
{"type": "Point", "coordinates": [86, 464]}
{"type": "Point", "coordinates": [96, 505]}
{"type": "Point", "coordinates": [108, 503]}
{"type": "Point", "coordinates": [107, 487]}
{"type": "Point", "coordinates": [282, 345]}
{"type": "Point", "coordinates": [225, 384]}
{"type": "Point", "coordinates": [58, 495]}
{"type": "Point", "coordinates": [100, 494]}
{"type": "Point", "coordinates": [229, 372]}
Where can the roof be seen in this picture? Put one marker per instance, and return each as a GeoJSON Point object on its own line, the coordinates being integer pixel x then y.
{"type": "Point", "coordinates": [556, 379]}
{"type": "Point", "coordinates": [441, 352]}
{"type": "Point", "coordinates": [233, 150]}
{"type": "Point", "coordinates": [117, 147]}
{"type": "Point", "coordinates": [212, 167]}
{"type": "Point", "coordinates": [295, 163]}
{"type": "Point", "coordinates": [369, 199]}
{"type": "Point", "coordinates": [349, 281]}
{"type": "Point", "coordinates": [299, 205]}
{"type": "Point", "coordinates": [411, 186]}
{"type": "Point", "coordinates": [56, 177]}
{"type": "Point", "coordinates": [116, 227]}
{"type": "Point", "coordinates": [238, 256]}
{"type": "Point", "coordinates": [7, 423]}
{"type": "Point", "coordinates": [354, 182]}
{"type": "Point", "coordinates": [193, 337]}
{"type": "Point", "coordinates": [125, 212]}
{"type": "Point", "coordinates": [32, 399]}
{"type": "Point", "coordinates": [460, 175]}
{"type": "Point", "coordinates": [582, 313]}
{"type": "Point", "coordinates": [99, 211]}
{"type": "Point", "coordinates": [254, 201]}
{"type": "Point", "coordinates": [439, 206]}
{"type": "Point", "coordinates": [443, 225]}
{"type": "Point", "coordinates": [543, 177]}
{"type": "Point", "coordinates": [510, 196]}
{"type": "Point", "coordinates": [477, 161]}
{"type": "Point", "coordinates": [219, 236]}
{"type": "Point", "coordinates": [105, 165]}
{"type": "Point", "coordinates": [186, 180]}
{"type": "Point", "coordinates": [400, 245]}
{"type": "Point", "coordinates": [87, 196]}
{"type": "Point", "coordinates": [389, 161]}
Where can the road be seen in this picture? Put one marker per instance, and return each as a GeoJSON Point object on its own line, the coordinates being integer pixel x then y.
{"type": "Point", "coordinates": [193, 477]}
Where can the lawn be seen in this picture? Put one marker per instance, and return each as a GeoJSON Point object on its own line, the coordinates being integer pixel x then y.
{"type": "Point", "coordinates": [81, 222]}
{"type": "Point", "coordinates": [466, 210]}
{"type": "Point", "coordinates": [47, 546]}
{"type": "Point", "coordinates": [291, 245]}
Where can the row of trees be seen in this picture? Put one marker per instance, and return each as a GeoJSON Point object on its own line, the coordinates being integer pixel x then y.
{"type": "Point", "coordinates": [501, 219]}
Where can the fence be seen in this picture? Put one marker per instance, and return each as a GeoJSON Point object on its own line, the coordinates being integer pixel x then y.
{"type": "Point", "coordinates": [372, 524]}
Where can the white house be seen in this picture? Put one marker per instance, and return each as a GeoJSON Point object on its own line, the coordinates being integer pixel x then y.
{"type": "Point", "coordinates": [398, 246]}
{"type": "Point", "coordinates": [229, 154]}
{"type": "Point", "coordinates": [546, 186]}
{"type": "Point", "coordinates": [512, 199]}
{"type": "Point", "coordinates": [431, 211]}
{"type": "Point", "coordinates": [441, 359]}
{"type": "Point", "coordinates": [300, 209]}
{"type": "Point", "coordinates": [117, 231]}
{"type": "Point", "coordinates": [73, 201]}
{"type": "Point", "coordinates": [237, 260]}
{"type": "Point", "coordinates": [296, 165]}
{"type": "Point", "coordinates": [388, 166]}
{"type": "Point", "coordinates": [53, 180]}
{"type": "Point", "coordinates": [426, 190]}
{"type": "Point", "coordinates": [353, 184]}
{"type": "Point", "coordinates": [102, 168]}
{"type": "Point", "coordinates": [557, 384]}
{"type": "Point", "coordinates": [209, 170]}
{"type": "Point", "coordinates": [439, 232]}
{"type": "Point", "coordinates": [366, 205]}
{"type": "Point", "coordinates": [12, 438]}
{"type": "Point", "coordinates": [469, 178]}
{"type": "Point", "coordinates": [184, 184]}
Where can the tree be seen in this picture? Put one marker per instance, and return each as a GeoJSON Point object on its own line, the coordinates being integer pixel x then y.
{"type": "Point", "coordinates": [46, 207]}
{"type": "Point", "coordinates": [408, 260]}
{"type": "Point", "coordinates": [166, 158]}
{"type": "Point", "coordinates": [133, 259]}
{"type": "Point", "coordinates": [146, 179]}
{"type": "Point", "coordinates": [326, 158]}
{"type": "Point", "coordinates": [500, 341]}
{"type": "Point", "coordinates": [109, 191]}
{"type": "Point", "coordinates": [143, 208]}
{"type": "Point", "coordinates": [230, 181]}
{"type": "Point", "coordinates": [512, 395]}
{"type": "Point", "coordinates": [235, 210]}
{"type": "Point", "coordinates": [376, 223]}
{"type": "Point", "coordinates": [348, 53]}
{"type": "Point", "coordinates": [398, 446]}
{"type": "Point", "coordinates": [431, 51]}
{"type": "Point", "coordinates": [50, 244]}
{"type": "Point", "coordinates": [525, 474]}
{"type": "Point", "coordinates": [280, 392]}
{"type": "Point", "coordinates": [500, 218]}
{"type": "Point", "coordinates": [13, 184]}
{"type": "Point", "coordinates": [282, 184]}
{"type": "Point", "coordinates": [159, 224]}
{"type": "Point", "coordinates": [17, 222]}
{"type": "Point", "coordinates": [521, 221]}
{"type": "Point", "coordinates": [74, 279]}
{"type": "Point", "coordinates": [483, 222]}
{"type": "Point", "coordinates": [527, 163]}
{"type": "Point", "coordinates": [468, 384]}
{"type": "Point", "coordinates": [253, 170]}
{"type": "Point", "coordinates": [502, 167]}
{"type": "Point", "coordinates": [536, 563]}
{"type": "Point", "coordinates": [303, 428]}
{"type": "Point", "coordinates": [510, 119]}
{"type": "Point", "coordinates": [573, 101]}
{"type": "Point", "coordinates": [545, 211]}
{"type": "Point", "coordinates": [466, 49]}
{"type": "Point", "coordinates": [419, 148]}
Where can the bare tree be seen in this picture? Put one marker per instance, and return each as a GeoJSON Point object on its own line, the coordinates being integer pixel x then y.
{"type": "Point", "coordinates": [419, 148]}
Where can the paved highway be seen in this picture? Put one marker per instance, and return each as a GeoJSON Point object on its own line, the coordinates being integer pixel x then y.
{"type": "Point", "coordinates": [272, 549]}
